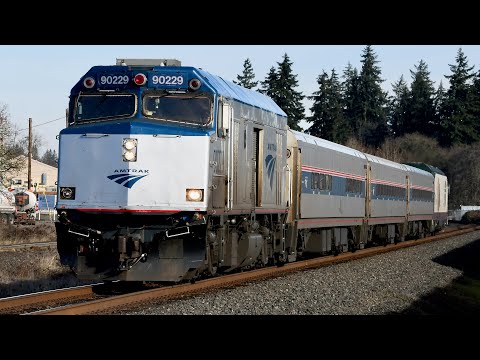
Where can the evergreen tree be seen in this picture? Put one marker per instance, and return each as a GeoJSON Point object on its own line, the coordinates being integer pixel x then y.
{"type": "Point", "coordinates": [247, 78]}
{"type": "Point", "coordinates": [476, 100]}
{"type": "Point", "coordinates": [421, 110]}
{"type": "Point", "coordinates": [352, 102]}
{"type": "Point", "coordinates": [373, 127]}
{"type": "Point", "coordinates": [269, 85]}
{"type": "Point", "coordinates": [327, 110]}
{"type": "Point", "coordinates": [280, 86]}
{"type": "Point", "coordinates": [50, 158]}
{"type": "Point", "coordinates": [459, 125]}
{"type": "Point", "coordinates": [398, 107]}
{"type": "Point", "coordinates": [320, 116]}
{"type": "Point", "coordinates": [438, 103]}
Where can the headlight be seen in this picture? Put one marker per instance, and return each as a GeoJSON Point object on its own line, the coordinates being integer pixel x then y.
{"type": "Point", "coordinates": [129, 151]}
{"type": "Point", "coordinates": [194, 194]}
{"type": "Point", "coordinates": [129, 144]}
{"type": "Point", "coordinates": [129, 155]}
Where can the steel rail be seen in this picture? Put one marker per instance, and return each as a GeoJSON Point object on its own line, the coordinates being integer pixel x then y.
{"type": "Point", "coordinates": [28, 245]}
{"type": "Point", "coordinates": [45, 296]}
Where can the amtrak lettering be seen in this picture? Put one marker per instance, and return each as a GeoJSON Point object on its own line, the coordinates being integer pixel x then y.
{"type": "Point", "coordinates": [131, 171]}
{"type": "Point", "coordinates": [123, 177]}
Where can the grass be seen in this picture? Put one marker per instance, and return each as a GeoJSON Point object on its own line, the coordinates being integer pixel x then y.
{"type": "Point", "coordinates": [466, 290]}
{"type": "Point", "coordinates": [461, 297]}
{"type": "Point", "coordinates": [23, 234]}
{"type": "Point", "coordinates": [26, 271]}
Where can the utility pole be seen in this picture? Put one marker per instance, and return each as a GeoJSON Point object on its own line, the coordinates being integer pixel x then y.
{"type": "Point", "coordinates": [66, 117]}
{"type": "Point", "coordinates": [29, 153]}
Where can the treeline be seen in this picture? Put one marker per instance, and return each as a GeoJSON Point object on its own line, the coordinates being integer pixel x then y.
{"type": "Point", "coordinates": [417, 123]}
{"type": "Point", "coordinates": [12, 145]}
{"type": "Point", "coordinates": [20, 147]}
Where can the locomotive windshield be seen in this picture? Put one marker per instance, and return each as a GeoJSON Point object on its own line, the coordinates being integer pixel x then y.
{"type": "Point", "coordinates": [103, 106]}
{"type": "Point", "coordinates": [189, 109]}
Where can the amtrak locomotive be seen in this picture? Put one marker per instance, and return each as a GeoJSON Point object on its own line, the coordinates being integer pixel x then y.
{"type": "Point", "coordinates": [169, 173]}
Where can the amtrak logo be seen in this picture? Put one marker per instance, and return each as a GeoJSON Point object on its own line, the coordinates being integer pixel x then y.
{"type": "Point", "coordinates": [270, 161]}
{"type": "Point", "coordinates": [126, 179]}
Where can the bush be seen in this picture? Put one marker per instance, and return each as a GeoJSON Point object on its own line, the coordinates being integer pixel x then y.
{"type": "Point", "coordinates": [471, 217]}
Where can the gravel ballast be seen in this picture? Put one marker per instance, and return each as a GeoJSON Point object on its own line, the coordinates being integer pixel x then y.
{"type": "Point", "coordinates": [381, 284]}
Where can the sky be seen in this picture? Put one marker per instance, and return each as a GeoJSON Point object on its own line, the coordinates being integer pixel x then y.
{"type": "Point", "coordinates": [36, 79]}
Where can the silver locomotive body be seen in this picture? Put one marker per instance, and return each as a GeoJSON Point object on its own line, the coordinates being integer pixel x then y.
{"type": "Point", "coordinates": [146, 198]}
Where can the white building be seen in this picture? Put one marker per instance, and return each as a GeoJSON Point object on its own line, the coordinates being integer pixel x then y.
{"type": "Point", "coordinates": [43, 175]}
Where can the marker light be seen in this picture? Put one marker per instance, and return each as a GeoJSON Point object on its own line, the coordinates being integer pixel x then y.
{"type": "Point", "coordinates": [89, 82]}
{"type": "Point", "coordinates": [194, 84]}
{"type": "Point", "coordinates": [67, 193]}
{"type": "Point", "coordinates": [140, 79]}
{"type": "Point", "coordinates": [194, 195]}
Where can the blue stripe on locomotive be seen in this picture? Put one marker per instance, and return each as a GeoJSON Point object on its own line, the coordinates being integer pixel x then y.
{"type": "Point", "coordinates": [137, 126]}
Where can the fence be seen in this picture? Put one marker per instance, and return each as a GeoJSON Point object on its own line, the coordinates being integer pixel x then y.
{"type": "Point", "coordinates": [46, 208]}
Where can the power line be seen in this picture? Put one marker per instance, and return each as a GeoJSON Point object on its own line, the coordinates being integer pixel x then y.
{"type": "Point", "coordinates": [46, 122]}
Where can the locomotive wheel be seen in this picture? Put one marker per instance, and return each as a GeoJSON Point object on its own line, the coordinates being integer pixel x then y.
{"type": "Point", "coordinates": [396, 239]}
{"type": "Point", "coordinates": [335, 250]}
{"type": "Point", "coordinates": [279, 260]}
{"type": "Point", "coordinates": [351, 246]}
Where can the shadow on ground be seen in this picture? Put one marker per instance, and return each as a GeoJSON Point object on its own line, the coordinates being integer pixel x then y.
{"type": "Point", "coordinates": [22, 287]}
{"type": "Point", "coordinates": [462, 296]}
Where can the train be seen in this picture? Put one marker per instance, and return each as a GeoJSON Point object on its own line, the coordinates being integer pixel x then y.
{"type": "Point", "coordinates": [169, 173]}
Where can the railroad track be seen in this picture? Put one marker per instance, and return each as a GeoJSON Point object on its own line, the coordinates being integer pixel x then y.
{"type": "Point", "coordinates": [49, 244]}
{"type": "Point", "coordinates": [89, 299]}
{"type": "Point", "coordinates": [29, 303]}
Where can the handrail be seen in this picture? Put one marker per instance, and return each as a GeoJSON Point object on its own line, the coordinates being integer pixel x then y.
{"type": "Point", "coordinates": [290, 191]}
